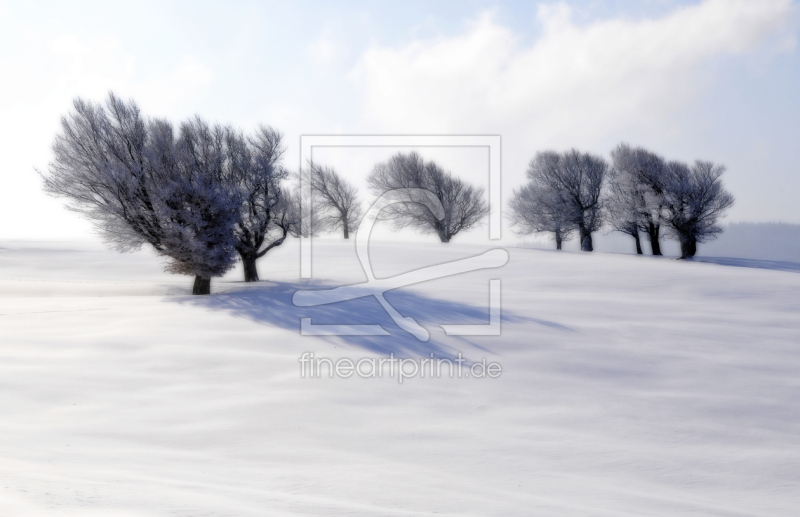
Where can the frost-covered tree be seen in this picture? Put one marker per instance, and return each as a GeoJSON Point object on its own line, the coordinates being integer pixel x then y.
{"type": "Point", "coordinates": [198, 212]}
{"type": "Point", "coordinates": [336, 202]}
{"type": "Point", "coordinates": [255, 178]}
{"type": "Point", "coordinates": [463, 204]}
{"type": "Point", "coordinates": [641, 175]}
{"type": "Point", "coordinates": [622, 206]}
{"type": "Point", "coordinates": [536, 209]}
{"type": "Point", "coordinates": [140, 184]}
{"type": "Point", "coordinates": [576, 179]}
{"type": "Point", "coordinates": [695, 200]}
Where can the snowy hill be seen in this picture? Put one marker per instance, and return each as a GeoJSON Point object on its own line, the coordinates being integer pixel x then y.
{"type": "Point", "coordinates": [771, 242]}
{"type": "Point", "coordinates": [630, 386]}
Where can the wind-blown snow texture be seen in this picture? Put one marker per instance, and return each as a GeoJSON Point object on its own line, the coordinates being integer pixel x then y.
{"type": "Point", "coordinates": [632, 386]}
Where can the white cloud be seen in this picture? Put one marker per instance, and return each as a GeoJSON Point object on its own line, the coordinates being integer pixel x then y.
{"type": "Point", "coordinates": [325, 50]}
{"type": "Point", "coordinates": [166, 94]}
{"type": "Point", "coordinates": [571, 85]}
{"type": "Point", "coordinates": [191, 73]}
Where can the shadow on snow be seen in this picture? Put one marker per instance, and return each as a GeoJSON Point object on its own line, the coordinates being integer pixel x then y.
{"type": "Point", "coordinates": [777, 265]}
{"type": "Point", "coordinates": [270, 303]}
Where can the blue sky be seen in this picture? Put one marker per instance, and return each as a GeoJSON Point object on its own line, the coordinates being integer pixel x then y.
{"type": "Point", "coordinates": [716, 79]}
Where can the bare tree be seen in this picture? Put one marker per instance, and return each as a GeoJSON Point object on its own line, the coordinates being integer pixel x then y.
{"type": "Point", "coordinates": [623, 208]}
{"type": "Point", "coordinates": [298, 226]}
{"type": "Point", "coordinates": [695, 200]}
{"type": "Point", "coordinates": [255, 178]}
{"type": "Point", "coordinates": [642, 174]}
{"type": "Point", "coordinates": [336, 200]}
{"type": "Point", "coordinates": [139, 184]}
{"type": "Point", "coordinates": [463, 203]}
{"type": "Point", "coordinates": [577, 180]}
{"type": "Point", "coordinates": [535, 209]}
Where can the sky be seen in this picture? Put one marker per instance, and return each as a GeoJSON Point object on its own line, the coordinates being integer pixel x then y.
{"type": "Point", "coordinates": [715, 80]}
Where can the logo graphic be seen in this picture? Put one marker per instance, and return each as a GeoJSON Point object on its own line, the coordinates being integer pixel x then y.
{"type": "Point", "coordinates": [377, 287]}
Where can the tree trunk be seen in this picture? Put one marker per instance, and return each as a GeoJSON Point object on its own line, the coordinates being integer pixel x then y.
{"type": "Point", "coordinates": [558, 242]}
{"type": "Point", "coordinates": [346, 231]}
{"type": "Point", "coordinates": [638, 244]}
{"type": "Point", "coordinates": [586, 240]}
{"type": "Point", "coordinates": [688, 247]}
{"type": "Point", "coordinates": [442, 234]}
{"type": "Point", "coordinates": [249, 265]}
{"type": "Point", "coordinates": [250, 270]}
{"type": "Point", "coordinates": [652, 233]}
{"type": "Point", "coordinates": [201, 285]}
{"type": "Point", "coordinates": [684, 249]}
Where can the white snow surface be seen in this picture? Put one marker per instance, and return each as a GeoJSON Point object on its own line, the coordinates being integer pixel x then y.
{"type": "Point", "coordinates": [631, 386]}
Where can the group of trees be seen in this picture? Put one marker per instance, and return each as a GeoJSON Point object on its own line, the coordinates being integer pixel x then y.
{"type": "Point", "coordinates": [337, 206]}
{"type": "Point", "coordinates": [199, 195]}
{"type": "Point", "coordinates": [202, 194]}
{"type": "Point", "coordinates": [639, 193]}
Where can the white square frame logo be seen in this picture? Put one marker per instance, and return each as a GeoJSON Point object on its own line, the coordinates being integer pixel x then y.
{"type": "Point", "coordinates": [492, 142]}
{"type": "Point", "coordinates": [490, 259]}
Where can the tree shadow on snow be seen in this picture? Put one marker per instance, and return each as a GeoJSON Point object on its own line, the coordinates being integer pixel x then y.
{"type": "Point", "coordinates": [777, 265]}
{"type": "Point", "coordinates": [270, 303]}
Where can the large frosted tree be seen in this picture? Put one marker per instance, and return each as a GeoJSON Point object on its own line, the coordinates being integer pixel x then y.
{"type": "Point", "coordinates": [139, 183]}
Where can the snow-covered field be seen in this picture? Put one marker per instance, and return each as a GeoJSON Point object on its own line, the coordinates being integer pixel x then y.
{"type": "Point", "coordinates": [631, 386]}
